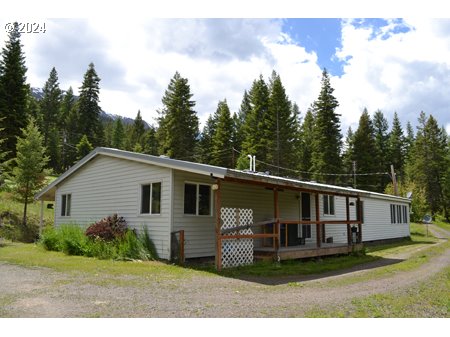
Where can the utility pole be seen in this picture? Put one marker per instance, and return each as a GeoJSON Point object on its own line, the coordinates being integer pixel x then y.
{"type": "Point", "coordinates": [394, 180]}
{"type": "Point", "coordinates": [354, 174]}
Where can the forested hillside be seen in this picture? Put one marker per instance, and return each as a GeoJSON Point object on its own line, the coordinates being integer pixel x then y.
{"type": "Point", "coordinates": [308, 145]}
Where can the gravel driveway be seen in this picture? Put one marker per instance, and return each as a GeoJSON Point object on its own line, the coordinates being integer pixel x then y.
{"type": "Point", "coordinates": [41, 292]}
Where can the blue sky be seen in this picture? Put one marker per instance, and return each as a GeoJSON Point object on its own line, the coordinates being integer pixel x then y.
{"type": "Point", "coordinates": [396, 65]}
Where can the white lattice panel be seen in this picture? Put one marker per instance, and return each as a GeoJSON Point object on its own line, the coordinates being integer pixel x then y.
{"type": "Point", "coordinates": [236, 252]}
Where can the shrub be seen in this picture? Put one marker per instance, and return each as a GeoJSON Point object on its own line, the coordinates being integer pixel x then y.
{"type": "Point", "coordinates": [50, 239]}
{"type": "Point", "coordinates": [72, 240]}
{"type": "Point", "coordinates": [12, 228]}
{"type": "Point", "coordinates": [148, 244]}
{"type": "Point", "coordinates": [108, 229]}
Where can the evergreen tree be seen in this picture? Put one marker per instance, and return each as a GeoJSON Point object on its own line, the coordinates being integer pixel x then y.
{"type": "Point", "coordinates": [205, 143]}
{"type": "Point", "coordinates": [306, 141]}
{"type": "Point", "coordinates": [88, 107]}
{"type": "Point", "coordinates": [381, 126]}
{"type": "Point", "coordinates": [327, 141]}
{"type": "Point", "coordinates": [178, 122]}
{"type": "Point", "coordinates": [137, 131]}
{"type": "Point", "coordinates": [253, 130]}
{"type": "Point", "coordinates": [50, 106]}
{"type": "Point", "coordinates": [239, 121]}
{"type": "Point", "coordinates": [28, 176]}
{"type": "Point", "coordinates": [279, 128]}
{"type": "Point", "coordinates": [2, 154]}
{"type": "Point", "coordinates": [396, 149]}
{"type": "Point", "coordinates": [348, 158]}
{"type": "Point", "coordinates": [118, 135]}
{"type": "Point", "coordinates": [13, 91]}
{"type": "Point", "coordinates": [363, 149]}
{"type": "Point", "coordinates": [409, 139]}
{"type": "Point", "coordinates": [222, 140]}
{"type": "Point", "coordinates": [84, 147]}
{"type": "Point", "coordinates": [150, 142]}
{"type": "Point", "coordinates": [428, 162]}
{"type": "Point", "coordinates": [71, 137]}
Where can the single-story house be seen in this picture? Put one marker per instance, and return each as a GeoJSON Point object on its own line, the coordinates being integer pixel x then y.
{"type": "Point", "coordinates": [213, 206]}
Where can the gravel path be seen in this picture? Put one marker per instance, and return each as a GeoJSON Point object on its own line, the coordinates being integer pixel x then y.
{"type": "Point", "coordinates": [42, 292]}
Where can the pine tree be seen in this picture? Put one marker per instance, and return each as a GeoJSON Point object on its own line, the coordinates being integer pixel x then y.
{"type": "Point", "coordinates": [239, 121]}
{"type": "Point", "coordinates": [118, 135]}
{"type": "Point", "coordinates": [427, 165]}
{"type": "Point", "coordinates": [381, 126]}
{"type": "Point", "coordinates": [327, 141]}
{"type": "Point", "coordinates": [28, 176]}
{"type": "Point", "coordinates": [137, 131]}
{"type": "Point", "coordinates": [50, 106]}
{"type": "Point", "coordinates": [178, 122]}
{"type": "Point", "coordinates": [222, 140]}
{"type": "Point", "coordinates": [253, 131]}
{"type": "Point", "coordinates": [150, 142]}
{"type": "Point", "coordinates": [72, 136]}
{"type": "Point", "coordinates": [409, 139]}
{"type": "Point", "coordinates": [363, 149]}
{"type": "Point", "coordinates": [205, 143]}
{"type": "Point", "coordinates": [84, 147]}
{"type": "Point", "coordinates": [396, 148]}
{"type": "Point", "coordinates": [348, 157]}
{"type": "Point", "coordinates": [88, 107]}
{"type": "Point", "coordinates": [13, 91]}
{"type": "Point", "coordinates": [279, 128]}
{"type": "Point", "coordinates": [307, 138]}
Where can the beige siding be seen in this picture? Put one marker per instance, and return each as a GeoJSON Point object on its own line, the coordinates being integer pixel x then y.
{"type": "Point", "coordinates": [111, 185]}
{"type": "Point", "coordinates": [199, 230]}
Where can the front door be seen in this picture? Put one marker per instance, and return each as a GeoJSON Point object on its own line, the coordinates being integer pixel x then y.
{"type": "Point", "coordinates": [306, 215]}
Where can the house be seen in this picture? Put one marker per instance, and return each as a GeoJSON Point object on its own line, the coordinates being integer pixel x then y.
{"type": "Point", "coordinates": [213, 207]}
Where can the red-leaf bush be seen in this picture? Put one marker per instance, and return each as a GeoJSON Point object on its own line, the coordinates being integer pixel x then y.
{"type": "Point", "coordinates": [108, 229]}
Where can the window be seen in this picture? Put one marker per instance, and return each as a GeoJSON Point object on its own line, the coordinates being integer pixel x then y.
{"type": "Point", "coordinates": [306, 231]}
{"type": "Point", "coordinates": [399, 214]}
{"type": "Point", "coordinates": [328, 204]}
{"type": "Point", "coordinates": [151, 198]}
{"type": "Point", "coordinates": [66, 201]}
{"type": "Point", "coordinates": [197, 199]}
{"type": "Point", "coordinates": [393, 214]}
{"type": "Point", "coordinates": [405, 214]}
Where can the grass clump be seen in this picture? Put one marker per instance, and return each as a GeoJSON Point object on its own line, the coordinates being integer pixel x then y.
{"type": "Point", "coordinates": [72, 240]}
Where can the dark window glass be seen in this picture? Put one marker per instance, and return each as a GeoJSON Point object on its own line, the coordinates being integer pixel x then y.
{"type": "Point", "coordinates": [399, 214]}
{"type": "Point", "coordinates": [306, 231]}
{"type": "Point", "coordinates": [331, 204]}
{"type": "Point", "coordinates": [145, 199]}
{"type": "Point", "coordinates": [190, 199]}
{"type": "Point", "coordinates": [68, 203]}
{"type": "Point", "coordinates": [63, 205]}
{"type": "Point", "coordinates": [156, 198]}
{"type": "Point", "coordinates": [393, 212]}
{"type": "Point", "coordinates": [405, 215]}
{"type": "Point", "coordinates": [358, 207]}
{"type": "Point", "coordinates": [325, 204]}
{"type": "Point", "coordinates": [204, 200]}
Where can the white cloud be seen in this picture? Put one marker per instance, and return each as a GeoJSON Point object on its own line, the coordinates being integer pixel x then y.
{"type": "Point", "coordinates": [406, 72]}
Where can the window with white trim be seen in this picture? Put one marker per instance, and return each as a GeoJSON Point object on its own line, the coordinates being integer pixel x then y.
{"type": "Point", "coordinates": [197, 199]}
{"type": "Point", "coordinates": [151, 198]}
{"type": "Point", "coordinates": [399, 214]}
{"type": "Point", "coordinates": [66, 201]}
{"type": "Point", "coordinates": [328, 204]}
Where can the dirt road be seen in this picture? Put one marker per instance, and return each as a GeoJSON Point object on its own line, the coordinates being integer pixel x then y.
{"type": "Point", "coordinates": [41, 292]}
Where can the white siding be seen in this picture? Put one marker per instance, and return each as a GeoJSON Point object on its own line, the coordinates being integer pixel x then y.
{"type": "Point", "coordinates": [377, 221]}
{"type": "Point", "coordinates": [110, 185]}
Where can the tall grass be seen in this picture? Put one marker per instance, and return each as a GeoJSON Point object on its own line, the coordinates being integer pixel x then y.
{"type": "Point", "coordinates": [71, 240]}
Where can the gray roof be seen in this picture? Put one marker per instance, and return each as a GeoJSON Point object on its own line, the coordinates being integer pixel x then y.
{"type": "Point", "coordinates": [210, 170]}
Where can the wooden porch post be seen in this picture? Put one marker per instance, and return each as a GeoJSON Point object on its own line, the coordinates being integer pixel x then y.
{"type": "Point", "coordinates": [218, 235]}
{"type": "Point", "coordinates": [347, 211]}
{"type": "Point", "coordinates": [318, 226]}
{"type": "Point", "coordinates": [276, 212]}
{"type": "Point", "coordinates": [359, 219]}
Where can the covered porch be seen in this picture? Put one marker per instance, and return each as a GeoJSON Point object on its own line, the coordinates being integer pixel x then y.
{"type": "Point", "coordinates": [282, 238]}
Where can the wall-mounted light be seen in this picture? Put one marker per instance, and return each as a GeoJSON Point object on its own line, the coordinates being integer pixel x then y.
{"type": "Point", "coordinates": [215, 187]}
{"type": "Point", "coordinates": [352, 203]}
